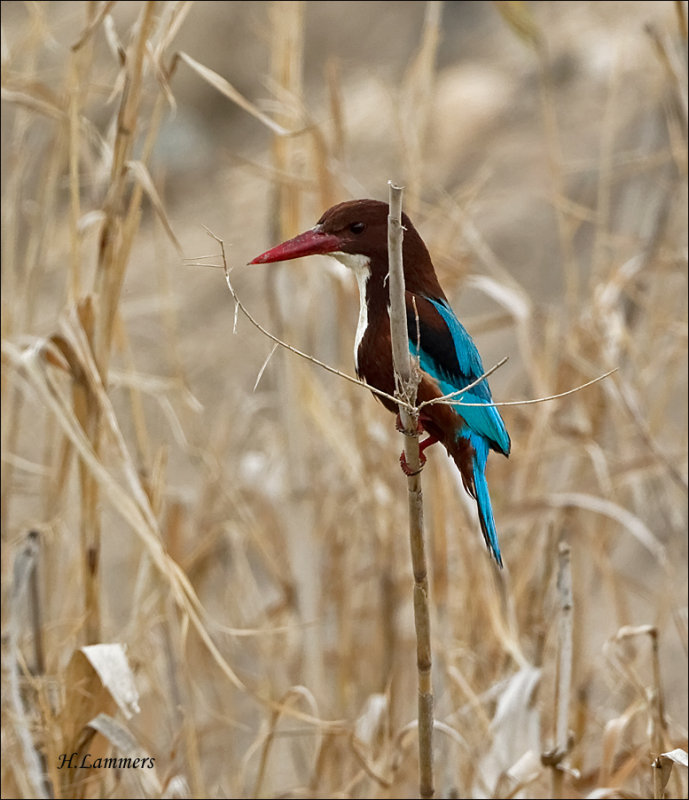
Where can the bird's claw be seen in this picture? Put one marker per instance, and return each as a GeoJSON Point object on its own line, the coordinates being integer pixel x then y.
{"type": "Point", "coordinates": [408, 471]}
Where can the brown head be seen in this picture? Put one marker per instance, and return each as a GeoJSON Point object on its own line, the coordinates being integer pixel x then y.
{"type": "Point", "coordinates": [356, 232]}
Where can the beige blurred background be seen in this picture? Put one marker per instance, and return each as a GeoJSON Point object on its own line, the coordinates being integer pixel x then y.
{"type": "Point", "coordinates": [543, 150]}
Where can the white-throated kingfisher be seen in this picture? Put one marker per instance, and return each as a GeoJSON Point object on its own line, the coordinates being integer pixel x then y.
{"type": "Point", "coordinates": [355, 233]}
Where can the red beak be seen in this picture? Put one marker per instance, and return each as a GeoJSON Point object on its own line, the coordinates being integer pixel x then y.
{"type": "Point", "coordinates": [310, 243]}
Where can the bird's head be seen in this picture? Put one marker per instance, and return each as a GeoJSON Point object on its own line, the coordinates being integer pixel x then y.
{"type": "Point", "coordinates": [354, 228]}
{"type": "Point", "coordinates": [355, 232]}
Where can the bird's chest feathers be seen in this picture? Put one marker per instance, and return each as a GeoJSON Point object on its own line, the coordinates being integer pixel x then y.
{"type": "Point", "coordinates": [361, 267]}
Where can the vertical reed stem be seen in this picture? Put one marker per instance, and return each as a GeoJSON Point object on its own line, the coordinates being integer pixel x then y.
{"type": "Point", "coordinates": [564, 668]}
{"type": "Point", "coordinates": [564, 686]}
{"type": "Point", "coordinates": [407, 384]}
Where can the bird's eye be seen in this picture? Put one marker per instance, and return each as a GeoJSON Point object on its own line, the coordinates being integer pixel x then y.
{"type": "Point", "coordinates": [357, 227]}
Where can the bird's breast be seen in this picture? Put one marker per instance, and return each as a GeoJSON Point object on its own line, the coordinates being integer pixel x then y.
{"type": "Point", "coordinates": [361, 267]}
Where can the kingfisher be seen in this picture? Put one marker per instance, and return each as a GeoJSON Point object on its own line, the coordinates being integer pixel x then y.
{"type": "Point", "coordinates": [355, 233]}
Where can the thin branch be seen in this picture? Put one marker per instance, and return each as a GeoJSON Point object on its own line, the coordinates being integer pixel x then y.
{"type": "Point", "coordinates": [265, 364]}
{"type": "Point", "coordinates": [447, 399]}
{"type": "Point", "coordinates": [296, 351]}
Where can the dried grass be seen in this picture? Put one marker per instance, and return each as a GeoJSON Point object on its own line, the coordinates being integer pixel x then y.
{"type": "Point", "coordinates": [214, 574]}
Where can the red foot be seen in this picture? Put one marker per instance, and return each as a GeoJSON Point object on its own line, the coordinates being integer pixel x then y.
{"type": "Point", "coordinates": [408, 471]}
{"type": "Point", "coordinates": [400, 427]}
{"type": "Point", "coordinates": [426, 443]}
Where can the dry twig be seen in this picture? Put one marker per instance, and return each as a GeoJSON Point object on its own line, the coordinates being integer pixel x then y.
{"type": "Point", "coordinates": [407, 382]}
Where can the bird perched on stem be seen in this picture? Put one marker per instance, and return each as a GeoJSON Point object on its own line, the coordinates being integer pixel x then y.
{"type": "Point", "coordinates": [355, 233]}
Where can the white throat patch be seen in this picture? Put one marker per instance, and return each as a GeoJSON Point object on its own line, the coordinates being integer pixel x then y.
{"type": "Point", "coordinates": [361, 267]}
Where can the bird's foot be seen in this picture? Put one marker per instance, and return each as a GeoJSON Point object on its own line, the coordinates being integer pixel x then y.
{"type": "Point", "coordinates": [408, 471]}
{"type": "Point", "coordinates": [426, 443]}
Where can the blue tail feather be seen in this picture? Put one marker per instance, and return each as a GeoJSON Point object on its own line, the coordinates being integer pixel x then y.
{"type": "Point", "coordinates": [485, 509]}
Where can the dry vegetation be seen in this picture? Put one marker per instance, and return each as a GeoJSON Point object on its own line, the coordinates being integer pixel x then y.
{"type": "Point", "coordinates": [216, 575]}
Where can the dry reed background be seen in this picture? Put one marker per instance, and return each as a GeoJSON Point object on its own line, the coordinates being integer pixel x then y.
{"type": "Point", "coordinates": [247, 547]}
